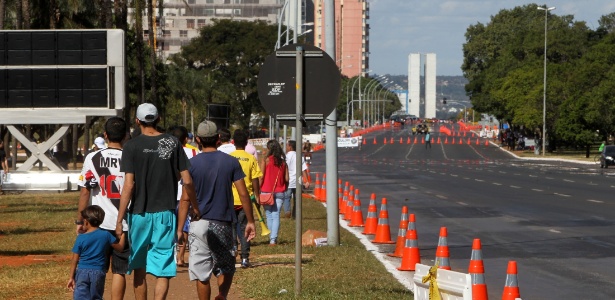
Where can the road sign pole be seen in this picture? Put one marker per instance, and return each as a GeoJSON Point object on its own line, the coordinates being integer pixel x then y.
{"type": "Point", "coordinates": [298, 161]}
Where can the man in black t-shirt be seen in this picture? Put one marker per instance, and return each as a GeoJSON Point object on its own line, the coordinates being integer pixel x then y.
{"type": "Point", "coordinates": [153, 163]}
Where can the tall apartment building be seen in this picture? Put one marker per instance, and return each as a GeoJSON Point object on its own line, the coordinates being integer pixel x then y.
{"type": "Point", "coordinates": [182, 19]}
{"type": "Point", "coordinates": [351, 34]}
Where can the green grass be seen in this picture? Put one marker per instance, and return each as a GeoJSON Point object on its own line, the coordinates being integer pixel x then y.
{"type": "Point", "coordinates": [36, 224]}
{"type": "Point", "coordinates": [344, 272]}
{"type": "Point", "coordinates": [41, 224]}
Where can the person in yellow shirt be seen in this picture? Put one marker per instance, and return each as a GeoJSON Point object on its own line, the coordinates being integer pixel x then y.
{"type": "Point", "coordinates": [250, 167]}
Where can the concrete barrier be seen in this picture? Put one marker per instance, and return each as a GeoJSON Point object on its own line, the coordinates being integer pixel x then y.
{"type": "Point", "coordinates": [452, 285]}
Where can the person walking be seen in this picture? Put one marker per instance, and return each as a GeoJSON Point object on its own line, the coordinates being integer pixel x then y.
{"type": "Point", "coordinates": [428, 140]}
{"type": "Point", "coordinates": [250, 168]}
{"type": "Point", "coordinates": [211, 229]}
{"type": "Point", "coordinates": [225, 141]}
{"type": "Point", "coordinates": [275, 181]}
{"type": "Point", "coordinates": [291, 162]}
{"type": "Point", "coordinates": [101, 181]}
{"type": "Point", "coordinates": [153, 163]}
{"type": "Point", "coordinates": [87, 268]}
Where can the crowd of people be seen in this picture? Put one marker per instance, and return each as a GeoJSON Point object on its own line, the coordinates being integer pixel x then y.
{"type": "Point", "coordinates": [149, 196]}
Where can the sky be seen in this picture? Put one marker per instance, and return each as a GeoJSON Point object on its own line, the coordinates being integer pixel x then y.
{"type": "Point", "coordinates": [401, 27]}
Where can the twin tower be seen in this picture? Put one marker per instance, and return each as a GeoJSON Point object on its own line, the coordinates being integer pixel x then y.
{"type": "Point", "coordinates": [420, 93]}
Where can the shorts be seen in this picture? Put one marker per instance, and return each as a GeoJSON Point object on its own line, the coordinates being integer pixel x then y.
{"type": "Point", "coordinates": [89, 284]}
{"type": "Point", "coordinates": [152, 243]}
{"type": "Point", "coordinates": [211, 244]}
{"type": "Point", "coordinates": [119, 259]}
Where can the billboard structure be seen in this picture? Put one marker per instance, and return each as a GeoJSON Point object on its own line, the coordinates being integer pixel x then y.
{"type": "Point", "coordinates": [58, 77]}
{"type": "Point", "coordinates": [422, 92]}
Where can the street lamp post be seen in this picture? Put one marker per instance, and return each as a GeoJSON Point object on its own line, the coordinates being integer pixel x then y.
{"type": "Point", "coordinates": [347, 104]}
{"type": "Point", "coordinates": [544, 89]}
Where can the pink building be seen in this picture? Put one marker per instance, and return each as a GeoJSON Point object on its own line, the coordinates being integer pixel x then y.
{"type": "Point", "coordinates": [351, 34]}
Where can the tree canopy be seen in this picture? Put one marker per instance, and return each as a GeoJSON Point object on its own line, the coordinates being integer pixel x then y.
{"type": "Point", "coordinates": [504, 63]}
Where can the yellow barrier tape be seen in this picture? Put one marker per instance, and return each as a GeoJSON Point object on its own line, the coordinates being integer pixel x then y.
{"type": "Point", "coordinates": [434, 292]}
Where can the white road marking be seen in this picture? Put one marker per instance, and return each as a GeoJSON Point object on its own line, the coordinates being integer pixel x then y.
{"type": "Point", "coordinates": [515, 187]}
{"type": "Point", "coordinates": [533, 176]}
{"type": "Point", "coordinates": [466, 178]}
{"type": "Point", "coordinates": [554, 231]}
{"type": "Point", "coordinates": [537, 190]}
{"type": "Point", "coordinates": [568, 180]}
{"type": "Point", "coordinates": [591, 183]}
{"type": "Point", "coordinates": [495, 183]}
{"type": "Point", "coordinates": [441, 196]}
{"type": "Point", "coordinates": [563, 195]}
{"type": "Point", "coordinates": [454, 175]}
{"type": "Point", "coordinates": [549, 177]}
{"type": "Point", "coordinates": [595, 201]}
{"type": "Point", "coordinates": [479, 180]}
{"type": "Point", "coordinates": [462, 203]}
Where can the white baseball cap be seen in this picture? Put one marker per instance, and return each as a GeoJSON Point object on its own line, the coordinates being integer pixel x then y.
{"type": "Point", "coordinates": [147, 112]}
{"type": "Point", "coordinates": [100, 143]}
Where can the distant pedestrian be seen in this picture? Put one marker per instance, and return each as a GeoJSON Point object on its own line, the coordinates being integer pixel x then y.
{"type": "Point", "coordinates": [291, 162]}
{"type": "Point", "coordinates": [211, 231]}
{"type": "Point", "coordinates": [225, 141]}
{"type": "Point", "coordinates": [275, 181]}
{"type": "Point", "coordinates": [428, 140]}
{"type": "Point", "coordinates": [153, 163]}
{"type": "Point", "coordinates": [250, 168]}
{"type": "Point", "coordinates": [90, 259]}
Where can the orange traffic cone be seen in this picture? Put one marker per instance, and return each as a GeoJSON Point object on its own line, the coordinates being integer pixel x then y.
{"type": "Point", "coordinates": [415, 140]}
{"type": "Point", "coordinates": [383, 231]}
{"type": "Point", "coordinates": [453, 141]}
{"type": "Point", "coordinates": [486, 142]}
{"type": "Point", "coordinates": [442, 254]}
{"type": "Point", "coordinates": [401, 233]}
{"type": "Point", "coordinates": [349, 204]}
{"type": "Point", "coordinates": [371, 222]}
{"type": "Point", "coordinates": [423, 140]}
{"type": "Point", "coordinates": [375, 141]}
{"type": "Point", "coordinates": [446, 140]}
{"type": "Point", "coordinates": [356, 219]}
{"type": "Point", "coordinates": [392, 142]}
{"type": "Point", "coordinates": [385, 140]}
{"type": "Point", "coordinates": [342, 206]}
{"type": "Point", "coordinates": [408, 142]}
{"type": "Point", "coordinates": [401, 141]}
{"type": "Point", "coordinates": [511, 287]}
{"type": "Point", "coordinates": [477, 141]}
{"type": "Point", "coordinates": [438, 141]}
{"type": "Point", "coordinates": [317, 186]}
{"type": "Point", "coordinates": [464, 133]}
{"type": "Point", "coordinates": [364, 142]}
{"type": "Point", "coordinates": [340, 193]}
{"type": "Point", "coordinates": [477, 272]}
{"type": "Point", "coordinates": [469, 142]}
{"type": "Point", "coordinates": [411, 254]}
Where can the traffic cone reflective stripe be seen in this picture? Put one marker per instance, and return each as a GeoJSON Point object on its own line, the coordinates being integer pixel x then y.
{"type": "Point", "coordinates": [511, 287]}
{"type": "Point", "coordinates": [356, 219]}
{"type": "Point", "coordinates": [383, 231]}
{"type": "Point", "coordinates": [477, 272]}
{"type": "Point", "coordinates": [442, 254]}
{"type": "Point", "coordinates": [411, 254]}
{"type": "Point", "coordinates": [401, 233]}
{"type": "Point", "coordinates": [371, 222]}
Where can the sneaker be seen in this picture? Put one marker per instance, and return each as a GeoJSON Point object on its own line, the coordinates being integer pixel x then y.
{"type": "Point", "coordinates": [234, 251]}
{"type": "Point", "coordinates": [245, 263]}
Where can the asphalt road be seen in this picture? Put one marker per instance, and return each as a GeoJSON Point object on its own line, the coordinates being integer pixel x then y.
{"type": "Point", "coordinates": [555, 218]}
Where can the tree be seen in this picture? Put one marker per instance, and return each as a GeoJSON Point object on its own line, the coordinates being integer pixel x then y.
{"type": "Point", "coordinates": [231, 54]}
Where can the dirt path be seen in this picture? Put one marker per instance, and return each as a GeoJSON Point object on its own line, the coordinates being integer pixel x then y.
{"type": "Point", "coordinates": [180, 287]}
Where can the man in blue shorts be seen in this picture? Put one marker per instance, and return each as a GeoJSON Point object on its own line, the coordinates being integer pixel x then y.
{"type": "Point", "coordinates": [153, 163]}
{"type": "Point", "coordinates": [211, 229]}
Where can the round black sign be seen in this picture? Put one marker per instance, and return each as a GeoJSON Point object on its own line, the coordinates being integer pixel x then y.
{"type": "Point", "coordinates": [321, 86]}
